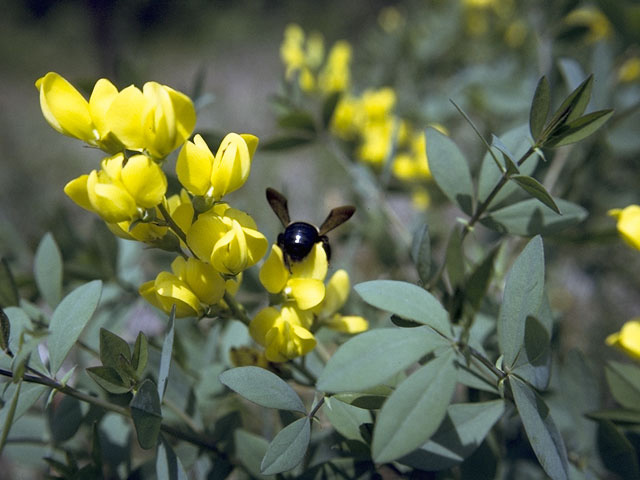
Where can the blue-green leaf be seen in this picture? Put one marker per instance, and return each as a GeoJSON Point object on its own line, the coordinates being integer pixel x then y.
{"type": "Point", "coordinates": [536, 190]}
{"type": "Point", "coordinates": [450, 169]}
{"type": "Point", "coordinates": [373, 357]}
{"type": "Point", "coordinates": [542, 432]}
{"type": "Point", "coordinates": [617, 452]}
{"type": "Point", "coordinates": [407, 301]}
{"type": "Point", "coordinates": [624, 383]}
{"type": "Point", "coordinates": [460, 433]}
{"type": "Point", "coordinates": [10, 415]}
{"type": "Point", "coordinates": [540, 106]}
{"type": "Point", "coordinates": [47, 270]}
{"type": "Point", "coordinates": [250, 449]}
{"type": "Point", "coordinates": [523, 295]}
{"type": "Point", "coordinates": [69, 319]}
{"type": "Point", "coordinates": [345, 418]}
{"type": "Point", "coordinates": [146, 414]}
{"type": "Point", "coordinates": [421, 253]}
{"type": "Point", "coordinates": [415, 409]}
{"type": "Point", "coordinates": [165, 358]}
{"type": "Point", "coordinates": [529, 217]}
{"type": "Point", "coordinates": [579, 129]}
{"type": "Point", "coordinates": [288, 447]}
{"type": "Point", "coordinates": [262, 387]}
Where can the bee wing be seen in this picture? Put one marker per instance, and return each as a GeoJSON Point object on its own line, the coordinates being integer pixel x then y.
{"type": "Point", "coordinates": [336, 217]}
{"type": "Point", "coordinates": [278, 204]}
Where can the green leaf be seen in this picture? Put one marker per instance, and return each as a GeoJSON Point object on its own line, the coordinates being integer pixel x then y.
{"type": "Point", "coordinates": [165, 358]}
{"type": "Point", "coordinates": [454, 259]}
{"type": "Point", "coordinates": [262, 387]}
{"type": "Point", "coordinates": [329, 107]}
{"type": "Point", "coordinates": [421, 253]}
{"type": "Point", "coordinates": [69, 319]}
{"type": "Point", "coordinates": [571, 108]}
{"type": "Point", "coordinates": [297, 119]}
{"type": "Point", "coordinates": [415, 409]}
{"type": "Point", "coordinates": [8, 290]}
{"type": "Point", "coordinates": [539, 108]}
{"type": "Point", "coordinates": [542, 432]}
{"type": "Point", "coordinates": [9, 416]}
{"type": "Point", "coordinates": [109, 379]}
{"type": "Point", "coordinates": [513, 144]}
{"type": "Point", "coordinates": [168, 465]}
{"type": "Point", "coordinates": [528, 218]}
{"type": "Point", "coordinates": [617, 415]}
{"type": "Point", "coordinates": [479, 280]}
{"type": "Point", "coordinates": [534, 359]}
{"type": "Point", "coordinates": [65, 418]}
{"type": "Point", "coordinates": [345, 418]}
{"type": "Point", "coordinates": [536, 190]}
{"type": "Point", "coordinates": [288, 447]}
{"type": "Point", "coordinates": [460, 433]}
{"type": "Point", "coordinates": [5, 330]}
{"type": "Point", "coordinates": [250, 450]}
{"type": "Point", "coordinates": [140, 354]}
{"type": "Point", "coordinates": [523, 295]}
{"type": "Point", "coordinates": [373, 357]}
{"type": "Point", "coordinates": [624, 383]}
{"type": "Point", "coordinates": [579, 129]}
{"type": "Point", "coordinates": [47, 270]}
{"type": "Point", "coordinates": [146, 414]}
{"type": "Point", "coordinates": [407, 301]}
{"type": "Point", "coordinates": [284, 143]}
{"type": "Point", "coordinates": [450, 169]}
{"type": "Point", "coordinates": [111, 348]}
{"type": "Point", "coordinates": [617, 452]}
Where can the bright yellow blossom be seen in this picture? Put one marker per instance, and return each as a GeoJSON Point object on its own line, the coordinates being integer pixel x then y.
{"type": "Point", "coordinates": [121, 189]}
{"type": "Point", "coordinates": [227, 238]}
{"type": "Point", "coordinates": [191, 287]}
{"type": "Point", "coordinates": [203, 174]}
{"type": "Point", "coordinates": [284, 333]}
{"type": "Point", "coordinates": [628, 224]}
{"type": "Point", "coordinates": [304, 283]}
{"type": "Point", "coordinates": [627, 339]}
{"type": "Point", "coordinates": [629, 71]}
{"type": "Point", "coordinates": [593, 19]}
{"type": "Point", "coordinates": [155, 120]}
{"type": "Point", "coordinates": [337, 292]}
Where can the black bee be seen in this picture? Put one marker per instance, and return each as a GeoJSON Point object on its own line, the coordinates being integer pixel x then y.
{"type": "Point", "coordinates": [298, 238]}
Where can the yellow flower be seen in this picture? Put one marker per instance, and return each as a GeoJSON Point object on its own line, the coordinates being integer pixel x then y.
{"type": "Point", "coordinates": [593, 19]}
{"type": "Point", "coordinates": [336, 75]}
{"type": "Point", "coordinates": [203, 174]}
{"type": "Point", "coordinates": [179, 207]}
{"type": "Point", "coordinates": [627, 339]}
{"type": "Point", "coordinates": [120, 190]}
{"type": "Point", "coordinates": [227, 238]}
{"type": "Point", "coordinates": [337, 293]}
{"type": "Point", "coordinates": [411, 163]}
{"type": "Point", "coordinates": [156, 119]}
{"type": "Point", "coordinates": [66, 110]}
{"type": "Point", "coordinates": [284, 334]}
{"type": "Point", "coordinates": [192, 286]}
{"type": "Point", "coordinates": [629, 71]}
{"type": "Point", "coordinates": [628, 224]}
{"type": "Point", "coordinates": [248, 356]}
{"type": "Point", "coordinates": [304, 283]}
{"type": "Point", "coordinates": [291, 50]}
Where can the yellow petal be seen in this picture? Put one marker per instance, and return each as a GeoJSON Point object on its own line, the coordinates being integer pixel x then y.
{"type": "Point", "coordinates": [170, 290]}
{"type": "Point", "coordinates": [273, 274]}
{"type": "Point", "coordinates": [204, 234]}
{"type": "Point", "coordinates": [338, 289]}
{"type": "Point", "coordinates": [252, 143]}
{"type": "Point", "coordinates": [204, 281]}
{"type": "Point", "coordinates": [308, 292]}
{"type": "Point", "coordinates": [628, 339]}
{"type": "Point", "coordinates": [111, 201]}
{"type": "Point", "coordinates": [314, 265]}
{"type": "Point", "coordinates": [347, 324]}
{"type": "Point", "coordinates": [144, 180]}
{"type": "Point", "coordinates": [127, 117]}
{"type": "Point", "coordinates": [193, 166]}
{"type": "Point", "coordinates": [629, 225]}
{"type": "Point", "coordinates": [185, 116]}
{"type": "Point", "coordinates": [65, 109]}
{"type": "Point", "coordinates": [231, 165]}
{"type": "Point", "coordinates": [262, 323]}
{"type": "Point", "coordinates": [76, 190]}
{"type": "Point", "coordinates": [104, 92]}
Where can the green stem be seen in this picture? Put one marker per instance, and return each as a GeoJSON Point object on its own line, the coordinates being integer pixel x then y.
{"type": "Point", "coordinates": [174, 226]}
{"type": "Point", "coordinates": [485, 361]}
{"type": "Point", "coordinates": [237, 310]}
{"type": "Point", "coordinates": [317, 407]}
{"type": "Point", "coordinates": [482, 207]}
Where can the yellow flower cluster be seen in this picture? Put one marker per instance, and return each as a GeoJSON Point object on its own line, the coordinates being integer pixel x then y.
{"type": "Point", "coordinates": [305, 58]}
{"type": "Point", "coordinates": [138, 129]}
{"type": "Point", "coordinates": [306, 304]}
{"type": "Point", "coordinates": [628, 224]}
